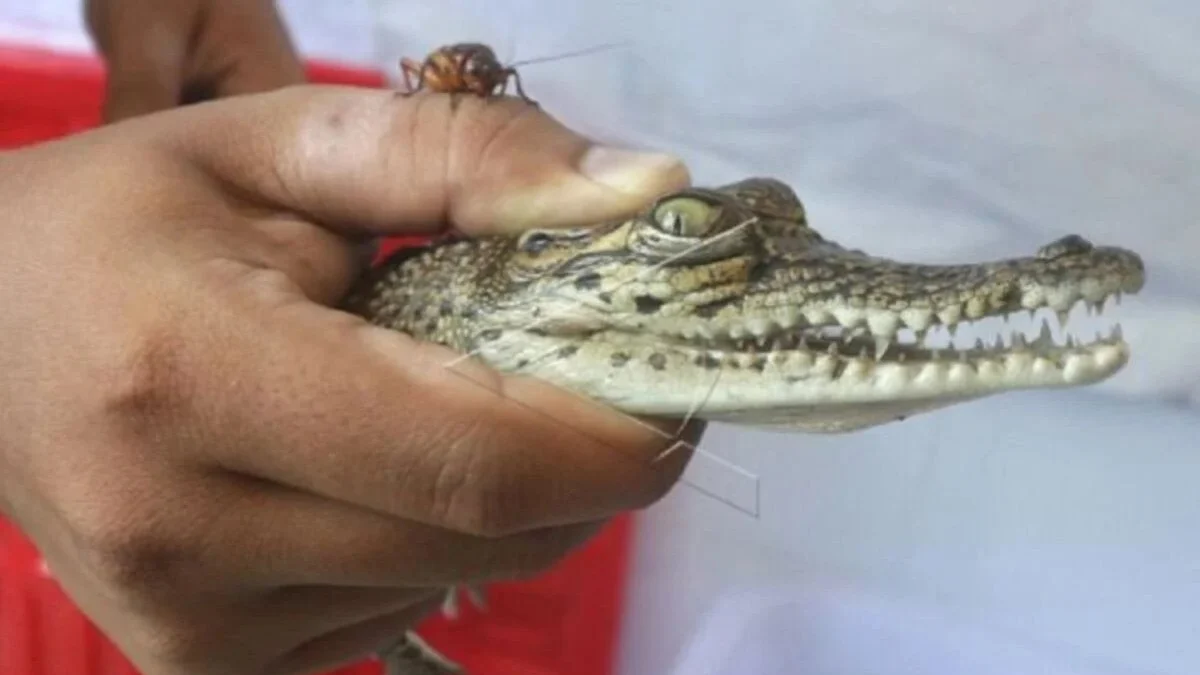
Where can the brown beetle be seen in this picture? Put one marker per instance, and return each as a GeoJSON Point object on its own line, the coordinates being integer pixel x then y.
{"type": "Point", "coordinates": [469, 68]}
{"type": "Point", "coordinates": [463, 68]}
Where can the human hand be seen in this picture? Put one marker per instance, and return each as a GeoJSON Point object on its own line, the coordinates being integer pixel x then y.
{"type": "Point", "coordinates": [230, 477]}
{"type": "Point", "coordinates": [163, 53]}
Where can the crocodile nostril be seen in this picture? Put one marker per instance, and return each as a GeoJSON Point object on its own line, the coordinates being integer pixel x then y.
{"type": "Point", "coordinates": [1068, 245]}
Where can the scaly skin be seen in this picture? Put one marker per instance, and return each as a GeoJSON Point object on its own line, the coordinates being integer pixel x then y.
{"type": "Point", "coordinates": [724, 304]}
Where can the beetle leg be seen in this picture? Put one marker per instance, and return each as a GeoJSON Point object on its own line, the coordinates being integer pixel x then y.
{"type": "Point", "coordinates": [512, 72]}
{"type": "Point", "coordinates": [410, 69]}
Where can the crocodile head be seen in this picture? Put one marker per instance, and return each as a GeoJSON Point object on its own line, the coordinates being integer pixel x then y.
{"type": "Point", "coordinates": [724, 304]}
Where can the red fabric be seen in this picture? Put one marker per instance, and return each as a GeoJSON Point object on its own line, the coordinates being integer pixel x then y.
{"type": "Point", "coordinates": [566, 622]}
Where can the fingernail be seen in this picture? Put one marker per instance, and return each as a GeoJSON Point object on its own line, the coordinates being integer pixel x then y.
{"type": "Point", "coordinates": [626, 170]}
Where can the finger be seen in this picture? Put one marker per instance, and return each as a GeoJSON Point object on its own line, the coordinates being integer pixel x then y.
{"type": "Point", "coordinates": [356, 160]}
{"type": "Point", "coordinates": [246, 50]}
{"type": "Point", "coordinates": [372, 417]}
{"type": "Point", "coordinates": [286, 615]}
{"type": "Point", "coordinates": [284, 537]}
{"type": "Point", "coordinates": [144, 46]}
{"type": "Point", "coordinates": [352, 643]}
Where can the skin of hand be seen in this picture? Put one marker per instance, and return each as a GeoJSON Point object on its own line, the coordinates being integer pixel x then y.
{"type": "Point", "coordinates": [226, 473]}
{"type": "Point", "coordinates": [162, 53]}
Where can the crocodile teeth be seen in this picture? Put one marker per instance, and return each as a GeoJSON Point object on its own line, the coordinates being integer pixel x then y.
{"type": "Point", "coordinates": [883, 323]}
{"type": "Point", "coordinates": [881, 347]}
{"type": "Point", "coordinates": [1044, 338]}
{"type": "Point", "coordinates": [917, 319]}
{"type": "Point", "coordinates": [816, 316]}
{"type": "Point", "coordinates": [950, 315]}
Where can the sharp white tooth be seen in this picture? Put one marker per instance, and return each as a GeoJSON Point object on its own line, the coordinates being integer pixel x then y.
{"type": "Point", "coordinates": [832, 351]}
{"type": "Point", "coordinates": [1032, 314]}
{"type": "Point", "coordinates": [850, 317]}
{"type": "Point", "coordinates": [921, 333]}
{"type": "Point", "coordinates": [1019, 340]}
{"type": "Point", "coordinates": [881, 346]}
{"type": "Point", "coordinates": [950, 315]}
{"type": "Point", "coordinates": [1117, 298]}
{"type": "Point", "coordinates": [917, 319]}
{"type": "Point", "coordinates": [1117, 333]}
{"type": "Point", "coordinates": [934, 354]}
{"type": "Point", "coordinates": [979, 343]}
{"type": "Point", "coordinates": [1045, 338]}
{"type": "Point", "coordinates": [1070, 342]}
{"type": "Point", "coordinates": [1012, 339]}
{"type": "Point", "coordinates": [787, 318]}
{"type": "Point", "coordinates": [962, 356]}
{"type": "Point", "coordinates": [1100, 306]}
{"type": "Point", "coordinates": [1063, 316]}
{"type": "Point", "coordinates": [883, 323]}
{"type": "Point", "coordinates": [862, 353]}
{"type": "Point", "coordinates": [952, 329]}
{"type": "Point", "coordinates": [976, 307]}
{"type": "Point", "coordinates": [816, 316]}
{"type": "Point", "coordinates": [1099, 337]}
{"type": "Point", "coordinates": [760, 326]}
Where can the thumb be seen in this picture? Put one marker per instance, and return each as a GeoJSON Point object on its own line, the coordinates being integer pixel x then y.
{"type": "Point", "coordinates": [372, 161]}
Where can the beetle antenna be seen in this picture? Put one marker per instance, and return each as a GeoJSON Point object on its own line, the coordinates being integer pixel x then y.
{"type": "Point", "coordinates": [581, 52]}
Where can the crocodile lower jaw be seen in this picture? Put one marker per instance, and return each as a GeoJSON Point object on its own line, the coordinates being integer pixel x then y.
{"type": "Point", "coordinates": [813, 379]}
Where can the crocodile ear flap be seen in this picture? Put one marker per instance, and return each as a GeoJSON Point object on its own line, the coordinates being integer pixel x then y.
{"type": "Point", "coordinates": [534, 242]}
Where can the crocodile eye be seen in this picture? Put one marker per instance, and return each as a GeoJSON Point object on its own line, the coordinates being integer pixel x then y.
{"type": "Point", "coordinates": [686, 216]}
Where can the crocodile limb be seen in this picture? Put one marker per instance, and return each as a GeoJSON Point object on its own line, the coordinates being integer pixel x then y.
{"type": "Point", "coordinates": [725, 304]}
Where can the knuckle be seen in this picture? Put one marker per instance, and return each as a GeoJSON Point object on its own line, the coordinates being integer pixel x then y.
{"type": "Point", "coordinates": [146, 379]}
{"type": "Point", "coordinates": [476, 494]}
{"type": "Point", "coordinates": [126, 558]}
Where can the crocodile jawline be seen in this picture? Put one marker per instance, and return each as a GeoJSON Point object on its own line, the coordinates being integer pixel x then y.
{"type": "Point", "coordinates": [724, 304]}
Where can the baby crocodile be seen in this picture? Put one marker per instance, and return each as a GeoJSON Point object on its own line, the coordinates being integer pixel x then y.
{"type": "Point", "coordinates": [723, 304]}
